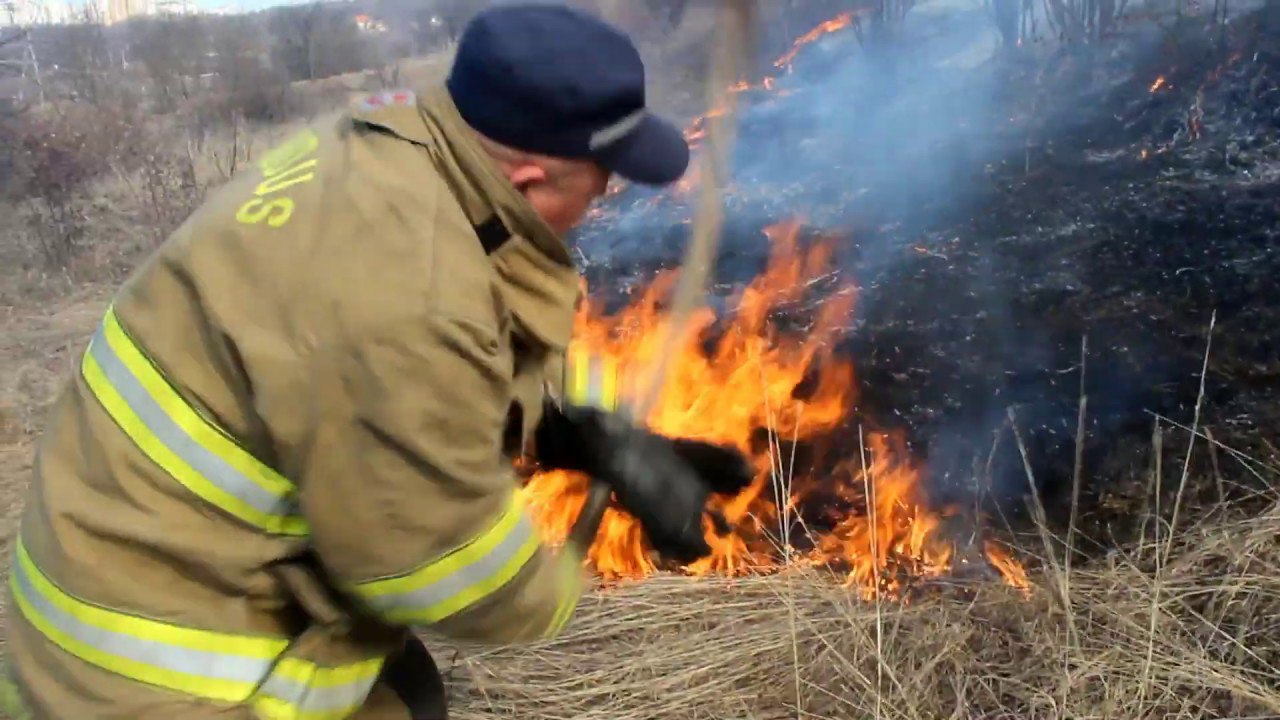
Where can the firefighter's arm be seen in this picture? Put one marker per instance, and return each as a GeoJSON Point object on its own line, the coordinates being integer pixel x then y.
{"type": "Point", "coordinates": [412, 506]}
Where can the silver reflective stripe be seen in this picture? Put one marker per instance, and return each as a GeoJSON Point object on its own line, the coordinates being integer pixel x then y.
{"type": "Point", "coordinates": [319, 699]}
{"type": "Point", "coordinates": [220, 666]}
{"type": "Point", "coordinates": [478, 571]}
{"type": "Point", "coordinates": [213, 468]}
{"type": "Point", "coordinates": [611, 134]}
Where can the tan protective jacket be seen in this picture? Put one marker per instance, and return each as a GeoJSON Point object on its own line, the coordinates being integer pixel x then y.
{"type": "Point", "coordinates": [331, 365]}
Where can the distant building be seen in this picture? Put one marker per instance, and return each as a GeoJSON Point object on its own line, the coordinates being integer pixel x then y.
{"type": "Point", "coordinates": [176, 7]}
{"type": "Point", "coordinates": [22, 13]}
{"type": "Point", "coordinates": [120, 10]}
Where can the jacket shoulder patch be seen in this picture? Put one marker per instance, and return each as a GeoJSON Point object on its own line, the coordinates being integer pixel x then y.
{"type": "Point", "coordinates": [384, 99]}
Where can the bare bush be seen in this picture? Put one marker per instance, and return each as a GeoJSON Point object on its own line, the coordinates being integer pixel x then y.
{"type": "Point", "coordinates": [166, 190]}
{"type": "Point", "coordinates": [64, 149]}
{"type": "Point", "coordinates": [57, 155]}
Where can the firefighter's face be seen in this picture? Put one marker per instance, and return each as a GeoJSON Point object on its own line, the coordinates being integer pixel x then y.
{"type": "Point", "coordinates": [561, 191]}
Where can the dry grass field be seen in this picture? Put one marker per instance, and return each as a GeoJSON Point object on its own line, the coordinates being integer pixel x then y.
{"type": "Point", "coordinates": [1172, 627]}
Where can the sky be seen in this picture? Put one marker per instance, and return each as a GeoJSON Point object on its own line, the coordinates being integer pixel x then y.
{"type": "Point", "coordinates": [245, 5]}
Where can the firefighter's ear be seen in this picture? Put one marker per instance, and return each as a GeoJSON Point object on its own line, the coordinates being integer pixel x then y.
{"type": "Point", "coordinates": [526, 175]}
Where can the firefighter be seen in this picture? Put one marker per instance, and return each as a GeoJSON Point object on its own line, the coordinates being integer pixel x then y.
{"type": "Point", "coordinates": [290, 441]}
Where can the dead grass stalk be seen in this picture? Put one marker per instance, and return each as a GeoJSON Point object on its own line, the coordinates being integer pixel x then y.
{"type": "Point", "coordinates": [1190, 635]}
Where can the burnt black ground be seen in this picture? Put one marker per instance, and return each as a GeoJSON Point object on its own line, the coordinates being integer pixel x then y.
{"type": "Point", "coordinates": [1078, 203]}
{"type": "Point", "coordinates": [1131, 225]}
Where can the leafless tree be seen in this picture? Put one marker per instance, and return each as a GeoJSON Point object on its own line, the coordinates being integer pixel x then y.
{"type": "Point", "coordinates": [1083, 21]}
{"type": "Point", "coordinates": [11, 60]}
{"type": "Point", "coordinates": [340, 46]}
{"type": "Point", "coordinates": [81, 54]}
{"type": "Point", "coordinates": [428, 30]}
{"type": "Point", "coordinates": [246, 81]}
{"type": "Point", "coordinates": [455, 14]}
{"type": "Point", "coordinates": [173, 52]}
{"type": "Point", "coordinates": [318, 40]}
{"type": "Point", "coordinates": [18, 57]}
{"type": "Point", "coordinates": [294, 31]}
{"type": "Point", "coordinates": [11, 65]}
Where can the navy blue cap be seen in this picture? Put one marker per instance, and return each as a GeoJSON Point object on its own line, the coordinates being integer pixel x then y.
{"type": "Point", "coordinates": [553, 80]}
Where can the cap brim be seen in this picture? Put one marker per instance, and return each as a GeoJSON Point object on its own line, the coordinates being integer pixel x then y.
{"type": "Point", "coordinates": [655, 153]}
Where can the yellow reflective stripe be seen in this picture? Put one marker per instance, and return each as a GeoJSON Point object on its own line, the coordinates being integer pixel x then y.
{"type": "Point", "coordinates": [609, 383]}
{"type": "Point", "coordinates": [302, 690]}
{"type": "Point", "coordinates": [569, 587]}
{"type": "Point", "coordinates": [194, 451]}
{"type": "Point", "coordinates": [271, 708]}
{"type": "Point", "coordinates": [309, 673]}
{"type": "Point", "coordinates": [217, 666]}
{"type": "Point", "coordinates": [461, 578]}
{"type": "Point", "coordinates": [579, 366]}
{"type": "Point", "coordinates": [593, 380]}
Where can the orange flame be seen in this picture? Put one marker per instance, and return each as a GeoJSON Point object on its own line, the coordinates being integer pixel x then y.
{"type": "Point", "coordinates": [1159, 83]}
{"type": "Point", "coordinates": [756, 385]}
{"type": "Point", "coordinates": [697, 129]}
{"type": "Point", "coordinates": [839, 22]}
{"type": "Point", "coordinates": [1217, 72]}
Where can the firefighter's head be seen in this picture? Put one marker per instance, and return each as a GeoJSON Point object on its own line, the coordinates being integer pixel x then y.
{"type": "Point", "coordinates": [559, 97]}
{"type": "Point", "coordinates": [559, 189]}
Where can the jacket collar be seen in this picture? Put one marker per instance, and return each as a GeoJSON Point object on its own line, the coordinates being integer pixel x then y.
{"type": "Point", "coordinates": [538, 280]}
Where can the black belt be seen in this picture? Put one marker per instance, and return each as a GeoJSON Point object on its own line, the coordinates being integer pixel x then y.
{"type": "Point", "coordinates": [492, 234]}
{"type": "Point", "coordinates": [413, 676]}
{"type": "Point", "coordinates": [409, 672]}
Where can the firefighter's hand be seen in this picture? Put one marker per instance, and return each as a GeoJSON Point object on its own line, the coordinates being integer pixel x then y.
{"type": "Point", "coordinates": [724, 469]}
{"type": "Point", "coordinates": [663, 483]}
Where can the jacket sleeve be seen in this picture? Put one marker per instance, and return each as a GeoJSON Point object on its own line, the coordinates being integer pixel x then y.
{"type": "Point", "coordinates": [412, 506]}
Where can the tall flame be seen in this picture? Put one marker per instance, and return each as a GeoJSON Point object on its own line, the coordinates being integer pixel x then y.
{"type": "Point", "coordinates": [768, 393]}
{"type": "Point", "coordinates": [765, 392]}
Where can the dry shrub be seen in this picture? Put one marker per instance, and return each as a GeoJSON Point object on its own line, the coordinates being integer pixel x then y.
{"type": "Point", "coordinates": [56, 157]}
{"type": "Point", "coordinates": [1191, 637]}
{"type": "Point", "coordinates": [65, 154]}
{"type": "Point", "coordinates": [265, 100]}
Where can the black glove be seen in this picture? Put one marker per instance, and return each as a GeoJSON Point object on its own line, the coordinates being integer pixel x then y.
{"type": "Point", "coordinates": [664, 483]}
{"type": "Point", "coordinates": [724, 469]}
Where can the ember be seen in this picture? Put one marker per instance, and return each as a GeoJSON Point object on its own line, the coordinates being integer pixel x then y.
{"type": "Point", "coordinates": [756, 381]}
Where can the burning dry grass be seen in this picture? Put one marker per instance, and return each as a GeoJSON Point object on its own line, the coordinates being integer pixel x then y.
{"type": "Point", "coordinates": [1191, 637]}
{"type": "Point", "coordinates": [768, 381]}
